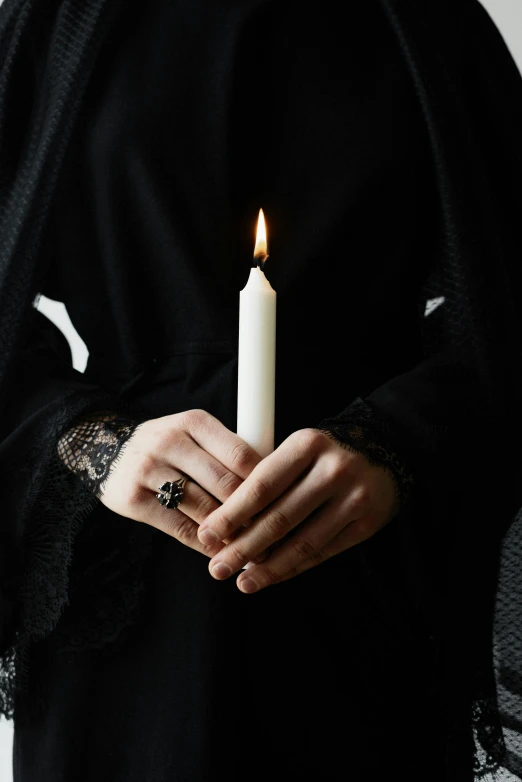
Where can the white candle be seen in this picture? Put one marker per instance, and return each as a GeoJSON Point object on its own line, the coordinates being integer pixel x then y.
{"type": "Point", "coordinates": [256, 359]}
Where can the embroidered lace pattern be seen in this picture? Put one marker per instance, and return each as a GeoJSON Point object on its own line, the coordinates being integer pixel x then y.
{"type": "Point", "coordinates": [91, 448]}
{"type": "Point", "coordinates": [79, 576]}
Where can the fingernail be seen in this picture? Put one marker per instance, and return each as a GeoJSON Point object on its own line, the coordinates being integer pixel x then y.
{"type": "Point", "coordinates": [207, 537]}
{"type": "Point", "coordinates": [248, 585]}
{"type": "Point", "coordinates": [221, 570]}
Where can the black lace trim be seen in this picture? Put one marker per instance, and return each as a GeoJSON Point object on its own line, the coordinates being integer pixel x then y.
{"type": "Point", "coordinates": [359, 429]}
{"type": "Point", "coordinates": [91, 447]}
{"type": "Point", "coordinates": [81, 583]}
{"type": "Point", "coordinates": [488, 737]}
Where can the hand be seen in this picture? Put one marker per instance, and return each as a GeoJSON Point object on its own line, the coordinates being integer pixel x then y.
{"type": "Point", "coordinates": [194, 442]}
{"type": "Point", "coordinates": [311, 497]}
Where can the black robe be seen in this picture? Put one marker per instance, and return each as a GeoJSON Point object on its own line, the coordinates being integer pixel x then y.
{"type": "Point", "coordinates": [381, 187]}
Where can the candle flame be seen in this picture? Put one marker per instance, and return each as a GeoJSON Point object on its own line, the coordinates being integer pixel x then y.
{"type": "Point", "coordinates": [261, 247]}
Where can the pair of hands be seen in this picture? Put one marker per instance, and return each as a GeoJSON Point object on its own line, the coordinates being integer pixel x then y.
{"type": "Point", "coordinates": [307, 501]}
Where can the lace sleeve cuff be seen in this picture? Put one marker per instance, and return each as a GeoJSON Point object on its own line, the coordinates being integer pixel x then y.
{"type": "Point", "coordinates": [93, 445]}
{"type": "Point", "coordinates": [72, 572]}
{"type": "Point", "coordinates": [360, 429]}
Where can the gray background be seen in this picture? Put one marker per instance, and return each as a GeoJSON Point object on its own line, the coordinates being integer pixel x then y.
{"type": "Point", "coordinates": [507, 15]}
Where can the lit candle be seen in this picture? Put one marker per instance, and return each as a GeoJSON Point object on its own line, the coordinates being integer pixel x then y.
{"type": "Point", "coordinates": [256, 359]}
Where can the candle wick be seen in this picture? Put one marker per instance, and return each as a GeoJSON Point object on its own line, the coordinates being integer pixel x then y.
{"type": "Point", "coordinates": [259, 260]}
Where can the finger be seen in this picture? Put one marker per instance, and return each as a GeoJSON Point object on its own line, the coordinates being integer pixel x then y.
{"type": "Point", "coordinates": [267, 481]}
{"type": "Point", "coordinates": [304, 545]}
{"type": "Point", "coordinates": [354, 533]}
{"type": "Point", "coordinates": [172, 522]}
{"type": "Point", "coordinates": [197, 503]}
{"type": "Point", "coordinates": [273, 524]}
{"type": "Point", "coordinates": [260, 558]}
{"type": "Point", "coordinates": [307, 544]}
{"type": "Point", "coordinates": [218, 441]}
{"type": "Point", "coordinates": [204, 469]}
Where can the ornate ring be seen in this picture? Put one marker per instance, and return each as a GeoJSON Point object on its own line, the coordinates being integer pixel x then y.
{"type": "Point", "coordinates": [171, 493]}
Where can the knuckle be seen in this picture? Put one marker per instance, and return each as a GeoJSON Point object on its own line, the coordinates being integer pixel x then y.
{"type": "Point", "coordinates": [223, 526]}
{"type": "Point", "coordinates": [205, 506]}
{"type": "Point", "coordinates": [227, 483]}
{"type": "Point", "coordinates": [305, 443]}
{"type": "Point", "coordinates": [266, 575]}
{"type": "Point", "coordinates": [183, 528]}
{"type": "Point", "coordinates": [337, 470]}
{"type": "Point", "coordinates": [239, 554]}
{"type": "Point", "coordinates": [319, 556]}
{"type": "Point", "coordinates": [259, 490]}
{"type": "Point", "coordinates": [360, 497]}
{"type": "Point", "coordinates": [310, 438]}
{"type": "Point", "coordinates": [262, 556]}
{"type": "Point", "coordinates": [241, 456]}
{"type": "Point", "coordinates": [194, 418]}
{"type": "Point", "coordinates": [304, 548]}
{"type": "Point", "coordinates": [276, 523]}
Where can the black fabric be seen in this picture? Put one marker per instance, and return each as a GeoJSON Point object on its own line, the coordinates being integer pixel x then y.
{"type": "Point", "coordinates": [377, 153]}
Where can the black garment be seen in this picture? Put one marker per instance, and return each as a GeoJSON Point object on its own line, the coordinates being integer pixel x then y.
{"type": "Point", "coordinates": [156, 203]}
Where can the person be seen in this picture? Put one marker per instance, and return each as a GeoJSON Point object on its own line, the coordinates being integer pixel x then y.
{"type": "Point", "coordinates": [372, 531]}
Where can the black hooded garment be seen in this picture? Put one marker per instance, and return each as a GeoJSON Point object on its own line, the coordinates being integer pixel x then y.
{"type": "Point", "coordinates": [137, 142]}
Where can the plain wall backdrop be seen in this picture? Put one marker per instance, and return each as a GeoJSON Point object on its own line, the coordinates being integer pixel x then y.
{"type": "Point", "coordinates": [507, 14]}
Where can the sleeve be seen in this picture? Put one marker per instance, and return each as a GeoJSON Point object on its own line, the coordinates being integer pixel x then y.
{"type": "Point", "coordinates": [429, 424]}
{"type": "Point", "coordinates": [436, 427]}
{"type": "Point", "coordinates": [452, 454]}
{"type": "Point", "coordinates": [59, 439]}
{"type": "Point", "coordinates": [417, 425]}
{"type": "Point", "coordinates": [452, 420]}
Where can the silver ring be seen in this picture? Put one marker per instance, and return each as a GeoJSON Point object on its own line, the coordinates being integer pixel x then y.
{"type": "Point", "coordinates": [171, 493]}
